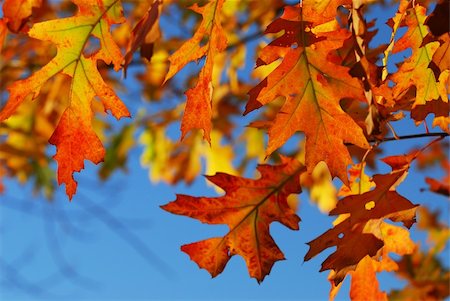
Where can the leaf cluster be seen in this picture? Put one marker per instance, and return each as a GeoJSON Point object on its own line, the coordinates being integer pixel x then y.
{"type": "Point", "coordinates": [327, 98]}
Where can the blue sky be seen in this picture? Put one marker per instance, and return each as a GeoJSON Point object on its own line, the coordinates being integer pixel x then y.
{"type": "Point", "coordinates": [42, 241]}
{"type": "Point", "coordinates": [113, 242]}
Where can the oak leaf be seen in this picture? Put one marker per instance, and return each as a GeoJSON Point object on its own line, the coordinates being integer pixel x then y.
{"type": "Point", "coordinates": [197, 114]}
{"type": "Point", "coordinates": [352, 238]}
{"type": "Point", "coordinates": [312, 87]}
{"type": "Point", "coordinates": [364, 284]}
{"type": "Point", "coordinates": [74, 136]}
{"type": "Point", "coordinates": [323, 11]}
{"type": "Point", "coordinates": [415, 70]}
{"type": "Point", "coordinates": [248, 208]}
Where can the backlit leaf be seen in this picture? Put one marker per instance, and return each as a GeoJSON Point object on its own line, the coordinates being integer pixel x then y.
{"type": "Point", "coordinates": [381, 202]}
{"type": "Point", "coordinates": [197, 114]}
{"type": "Point", "coordinates": [312, 87]}
{"type": "Point", "coordinates": [248, 208]}
{"type": "Point", "coordinates": [74, 137]}
{"type": "Point", "coordinates": [414, 71]}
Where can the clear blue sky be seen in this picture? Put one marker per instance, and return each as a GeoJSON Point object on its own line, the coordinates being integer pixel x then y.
{"type": "Point", "coordinates": [113, 242]}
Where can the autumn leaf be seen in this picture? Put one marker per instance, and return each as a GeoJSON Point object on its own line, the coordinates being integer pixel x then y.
{"type": "Point", "coordinates": [248, 208]}
{"type": "Point", "coordinates": [139, 35]}
{"type": "Point", "coordinates": [350, 249]}
{"type": "Point", "coordinates": [312, 87]}
{"type": "Point", "coordinates": [74, 137]}
{"type": "Point", "coordinates": [351, 236]}
{"type": "Point", "coordinates": [360, 182]}
{"type": "Point", "coordinates": [323, 11]}
{"type": "Point", "coordinates": [426, 275]}
{"type": "Point", "coordinates": [415, 70]}
{"type": "Point", "coordinates": [438, 187]}
{"type": "Point", "coordinates": [378, 203]}
{"type": "Point", "coordinates": [326, 91]}
{"type": "Point", "coordinates": [364, 284]}
{"type": "Point", "coordinates": [17, 12]}
{"type": "Point", "coordinates": [197, 114]}
{"type": "Point", "coordinates": [440, 57]}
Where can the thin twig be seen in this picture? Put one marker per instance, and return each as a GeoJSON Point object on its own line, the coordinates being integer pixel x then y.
{"type": "Point", "coordinates": [405, 137]}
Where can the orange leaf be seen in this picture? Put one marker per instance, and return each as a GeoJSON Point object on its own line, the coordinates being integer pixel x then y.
{"type": "Point", "coordinates": [442, 54]}
{"type": "Point", "coordinates": [364, 282]}
{"type": "Point", "coordinates": [17, 12]}
{"type": "Point", "coordinates": [322, 11]}
{"type": "Point", "coordinates": [74, 137]}
{"type": "Point", "coordinates": [197, 114]}
{"type": "Point", "coordinates": [312, 87]}
{"type": "Point", "coordinates": [438, 187]}
{"type": "Point", "coordinates": [3, 32]}
{"type": "Point", "coordinates": [248, 208]}
{"type": "Point", "coordinates": [364, 285]}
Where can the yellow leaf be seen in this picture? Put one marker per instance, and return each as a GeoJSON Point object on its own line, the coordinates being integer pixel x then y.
{"type": "Point", "coordinates": [323, 191]}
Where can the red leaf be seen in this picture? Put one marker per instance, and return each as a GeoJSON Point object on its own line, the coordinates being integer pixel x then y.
{"type": "Point", "coordinates": [248, 208]}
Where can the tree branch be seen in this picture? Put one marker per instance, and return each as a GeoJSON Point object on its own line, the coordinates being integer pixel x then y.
{"type": "Point", "coordinates": [405, 137]}
{"type": "Point", "coordinates": [442, 134]}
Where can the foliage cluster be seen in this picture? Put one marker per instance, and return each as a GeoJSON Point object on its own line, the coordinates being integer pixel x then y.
{"type": "Point", "coordinates": [319, 79]}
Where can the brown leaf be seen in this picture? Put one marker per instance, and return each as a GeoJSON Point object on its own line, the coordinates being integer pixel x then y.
{"type": "Point", "coordinates": [139, 34]}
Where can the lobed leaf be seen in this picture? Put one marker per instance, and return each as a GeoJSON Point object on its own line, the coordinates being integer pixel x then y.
{"type": "Point", "coordinates": [415, 70]}
{"type": "Point", "coordinates": [197, 114]}
{"type": "Point", "coordinates": [312, 87]}
{"type": "Point", "coordinates": [352, 237]}
{"type": "Point", "coordinates": [248, 208]}
{"type": "Point", "coordinates": [74, 137]}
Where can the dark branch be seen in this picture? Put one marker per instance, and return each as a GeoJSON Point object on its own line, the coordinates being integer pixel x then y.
{"type": "Point", "coordinates": [442, 134]}
{"type": "Point", "coordinates": [405, 137]}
